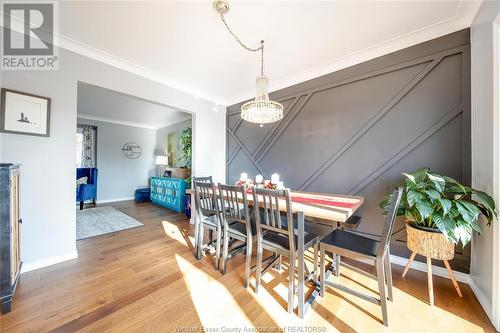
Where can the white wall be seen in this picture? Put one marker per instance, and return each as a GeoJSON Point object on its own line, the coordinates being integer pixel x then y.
{"type": "Point", "coordinates": [118, 177]}
{"type": "Point", "coordinates": [48, 171]}
{"type": "Point", "coordinates": [485, 145]}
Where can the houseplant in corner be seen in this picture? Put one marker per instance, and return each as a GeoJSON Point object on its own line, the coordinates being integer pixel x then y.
{"type": "Point", "coordinates": [440, 213]}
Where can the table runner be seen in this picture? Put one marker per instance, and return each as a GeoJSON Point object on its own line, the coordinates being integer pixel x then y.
{"type": "Point", "coordinates": [322, 201]}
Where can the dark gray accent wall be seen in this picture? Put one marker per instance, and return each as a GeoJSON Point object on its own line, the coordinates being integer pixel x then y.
{"type": "Point", "coordinates": [356, 130]}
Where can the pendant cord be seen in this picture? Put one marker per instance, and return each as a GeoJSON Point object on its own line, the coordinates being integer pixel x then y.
{"type": "Point", "coordinates": [261, 48]}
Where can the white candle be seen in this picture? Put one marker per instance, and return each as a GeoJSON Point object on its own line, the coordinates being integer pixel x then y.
{"type": "Point", "coordinates": [275, 178]}
{"type": "Point", "coordinates": [243, 176]}
{"type": "Point", "coordinates": [280, 186]}
{"type": "Point", "coordinates": [259, 179]}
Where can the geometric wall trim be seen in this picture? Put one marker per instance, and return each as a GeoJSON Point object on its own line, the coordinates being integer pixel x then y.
{"type": "Point", "coordinates": [356, 130]}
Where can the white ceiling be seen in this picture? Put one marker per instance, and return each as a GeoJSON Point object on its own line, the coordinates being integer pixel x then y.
{"type": "Point", "coordinates": [184, 43]}
{"type": "Point", "coordinates": [106, 105]}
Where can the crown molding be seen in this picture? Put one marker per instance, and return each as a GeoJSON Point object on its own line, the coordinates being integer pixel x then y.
{"type": "Point", "coordinates": [125, 122]}
{"type": "Point", "coordinates": [128, 66]}
{"type": "Point", "coordinates": [462, 19]}
{"type": "Point", "coordinates": [120, 63]}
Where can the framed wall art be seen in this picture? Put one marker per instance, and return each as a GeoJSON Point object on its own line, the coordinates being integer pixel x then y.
{"type": "Point", "coordinates": [23, 113]}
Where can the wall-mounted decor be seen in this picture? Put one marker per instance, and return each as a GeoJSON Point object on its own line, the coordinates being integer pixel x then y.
{"type": "Point", "coordinates": [173, 148]}
{"type": "Point", "coordinates": [23, 113]}
{"type": "Point", "coordinates": [179, 148]}
{"type": "Point", "coordinates": [132, 150]}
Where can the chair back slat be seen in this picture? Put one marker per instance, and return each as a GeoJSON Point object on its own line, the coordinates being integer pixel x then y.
{"type": "Point", "coordinates": [206, 180]}
{"type": "Point", "coordinates": [205, 198]}
{"type": "Point", "coordinates": [234, 203]}
{"type": "Point", "coordinates": [390, 219]}
{"type": "Point", "coordinates": [267, 203]}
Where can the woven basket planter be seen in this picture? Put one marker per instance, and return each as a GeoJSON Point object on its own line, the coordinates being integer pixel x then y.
{"type": "Point", "coordinates": [429, 242]}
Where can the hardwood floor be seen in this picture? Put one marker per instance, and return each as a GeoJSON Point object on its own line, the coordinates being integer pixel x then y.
{"type": "Point", "coordinates": [146, 279]}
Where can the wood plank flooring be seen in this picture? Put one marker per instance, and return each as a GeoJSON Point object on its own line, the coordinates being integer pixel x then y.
{"type": "Point", "coordinates": [146, 279]}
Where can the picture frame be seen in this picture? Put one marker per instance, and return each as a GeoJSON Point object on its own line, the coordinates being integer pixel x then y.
{"type": "Point", "coordinates": [24, 113]}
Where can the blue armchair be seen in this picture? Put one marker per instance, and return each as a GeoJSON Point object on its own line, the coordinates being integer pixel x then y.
{"type": "Point", "coordinates": [87, 191]}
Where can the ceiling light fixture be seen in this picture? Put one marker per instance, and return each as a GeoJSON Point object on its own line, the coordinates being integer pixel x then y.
{"type": "Point", "coordinates": [261, 110]}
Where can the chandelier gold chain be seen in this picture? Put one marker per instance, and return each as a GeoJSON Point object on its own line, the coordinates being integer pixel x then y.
{"type": "Point", "coordinates": [261, 48]}
{"type": "Point", "coordinates": [261, 110]}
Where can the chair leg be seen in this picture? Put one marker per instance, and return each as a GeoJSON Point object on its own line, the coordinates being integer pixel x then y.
{"type": "Point", "coordinates": [408, 264]}
{"type": "Point", "coordinates": [315, 270]}
{"type": "Point", "coordinates": [429, 281]}
{"type": "Point", "coordinates": [381, 289]}
{"type": "Point", "coordinates": [280, 262]}
{"type": "Point", "coordinates": [81, 205]}
{"type": "Point", "coordinates": [301, 287]}
{"type": "Point", "coordinates": [452, 276]}
{"type": "Point", "coordinates": [322, 270]}
{"type": "Point", "coordinates": [93, 201]}
{"type": "Point", "coordinates": [217, 246]}
{"type": "Point", "coordinates": [248, 261]}
{"type": "Point", "coordinates": [291, 282]}
{"type": "Point", "coordinates": [200, 241]}
{"type": "Point", "coordinates": [388, 275]}
{"type": "Point", "coordinates": [337, 264]}
{"type": "Point", "coordinates": [196, 236]}
{"type": "Point", "coordinates": [258, 271]}
{"type": "Point", "coordinates": [225, 245]}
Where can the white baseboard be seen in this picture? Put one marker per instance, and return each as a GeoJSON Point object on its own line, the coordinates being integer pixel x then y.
{"type": "Point", "coordinates": [30, 266]}
{"type": "Point", "coordinates": [114, 200]}
{"type": "Point", "coordinates": [436, 270]}
{"type": "Point", "coordinates": [486, 305]}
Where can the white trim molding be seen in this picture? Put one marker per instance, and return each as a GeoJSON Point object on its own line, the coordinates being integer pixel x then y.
{"type": "Point", "coordinates": [494, 309]}
{"type": "Point", "coordinates": [114, 200]}
{"type": "Point", "coordinates": [31, 266]}
{"type": "Point", "coordinates": [119, 122]}
{"type": "Point", "coordinates": [483, 300]}
{"type": "Point", "coordinates": [436, 270]}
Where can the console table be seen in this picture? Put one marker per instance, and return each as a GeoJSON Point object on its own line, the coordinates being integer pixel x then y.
{"type": "Point", "coordinates": [168, 192]}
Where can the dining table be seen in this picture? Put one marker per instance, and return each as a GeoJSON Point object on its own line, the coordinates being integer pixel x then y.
{"type": "Point", "coordinates": [323, 213]}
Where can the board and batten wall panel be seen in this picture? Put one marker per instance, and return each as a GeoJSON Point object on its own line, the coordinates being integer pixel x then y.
{"type": "Point", "coordinates": [356, 130]}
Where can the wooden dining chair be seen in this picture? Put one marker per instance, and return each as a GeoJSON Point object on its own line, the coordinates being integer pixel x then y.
{"type": "Point", "coordinates": [236, 225]}
{"type": "Point", "coordinates": [207, 216]}
{"type": "Point", "coordinates": [279, 236]}
{"type": "Point", "coordinates": [347, 244]}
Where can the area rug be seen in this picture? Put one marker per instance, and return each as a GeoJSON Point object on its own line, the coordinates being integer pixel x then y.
{"type": "Point", "coordinates": [97, 221]}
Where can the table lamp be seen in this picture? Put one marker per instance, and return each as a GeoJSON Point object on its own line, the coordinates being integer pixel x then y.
{"type": "Point", "coordinates": [160, 162]}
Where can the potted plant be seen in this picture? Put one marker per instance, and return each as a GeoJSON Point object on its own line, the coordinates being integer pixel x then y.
{"type": "Point", "coordinates": [185, 140]}
{"type": "Point", "coordinates": [440, 213]}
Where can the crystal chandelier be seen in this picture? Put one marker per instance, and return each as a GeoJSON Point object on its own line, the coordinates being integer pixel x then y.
{"type": "Point", "coordinates": [261, 110]}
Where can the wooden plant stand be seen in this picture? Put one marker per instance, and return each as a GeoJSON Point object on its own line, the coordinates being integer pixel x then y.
{"type": "Point", "coordinates": [432, 245]}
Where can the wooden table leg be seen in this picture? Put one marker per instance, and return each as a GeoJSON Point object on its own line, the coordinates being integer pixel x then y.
{"type": "Point", "coordinates": [452, 276]}
{"type": "Point", "coordinates": [408, 264]}
{"type": "Point", "coordinates": [429, 281]}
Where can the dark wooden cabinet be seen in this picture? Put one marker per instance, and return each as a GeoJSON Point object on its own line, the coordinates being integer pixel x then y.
{"type": "Point", "coordinates": [10, 260]}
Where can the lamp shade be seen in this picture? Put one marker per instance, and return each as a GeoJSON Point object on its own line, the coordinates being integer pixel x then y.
{"type": "Point", "coordinates": [161, 160]}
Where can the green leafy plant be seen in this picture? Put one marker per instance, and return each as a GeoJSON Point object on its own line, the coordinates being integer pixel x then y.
{"type": "Point", "coordinates": [186, 141]}
{"type": "Point", "coordinates": [439, 202]}
{"type": "Point", "coordinates": [188, 180]}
